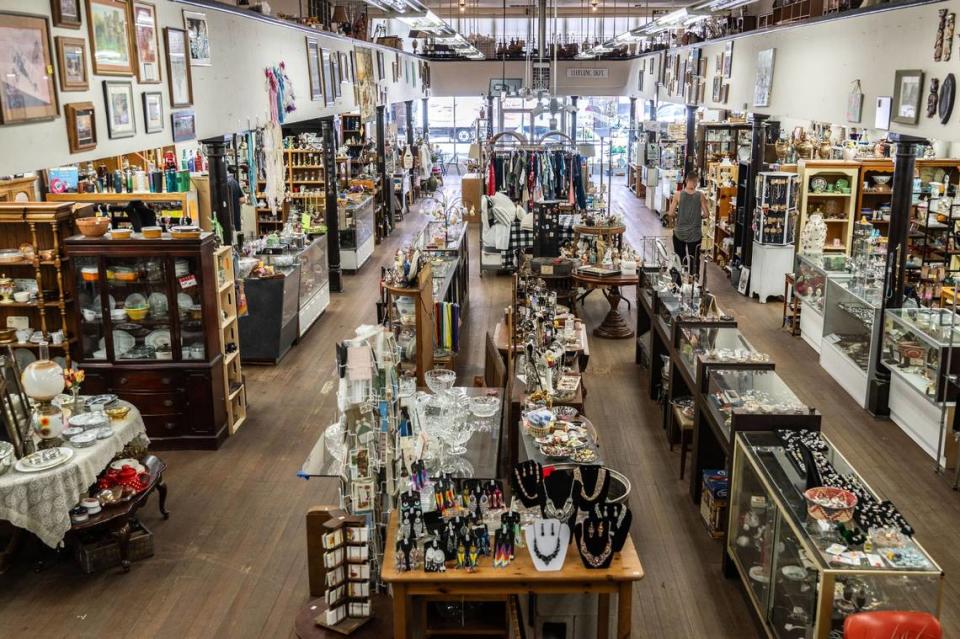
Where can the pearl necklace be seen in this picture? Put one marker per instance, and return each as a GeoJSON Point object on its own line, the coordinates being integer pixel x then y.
{"type": "Point", "coordinates": [594, 561]}
{"type": "Point", "coordinates": [597, 488]}
{"type": "Point", "coordinates": [546, 559]}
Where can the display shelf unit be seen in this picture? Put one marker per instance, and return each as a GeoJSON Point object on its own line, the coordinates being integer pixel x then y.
{"type": "Point", "coordinates": [721, 199]}
{"type": "Point", "coordinates": [408, 313]}
{"type": "Point", "coordinates": [44, 226]}
{"type": "Point", "coordinates": [357, 221]}
{"type": "Point", "coordinates": [822, 191]}
{"type": "Point", "coordinates": [22, 189]}
{"type": "Point", "coordinates": [177, 205]}
{"type": "Point", "coordinates": [234, 385]}
{"type": "Point", "coordinates": [346, 573]}
{"type": "Point", "coordinates": [797, 588]}
{"type": "Point", "coordinates": [932, 248]}
{"type": "Point", "coordinates": [916, 350]}
{"type": "Point", "coordinates": [353, 134]}
{"type": "Point", "coordinates": [162, 352]}
{"type": "Point", "coordinates": [810, 287]}
{"type": "Point", "coordinates": [875, 194]}
{"type": "Point", "coordinates": [774, 226]}
{"type": "Point", "coordinates": [722, 140]}
{"type": "Point", "coordinates": [304, 179]}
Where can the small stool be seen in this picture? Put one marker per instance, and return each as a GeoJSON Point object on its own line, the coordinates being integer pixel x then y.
{"type": "Point", "coordinates": [685, 424]}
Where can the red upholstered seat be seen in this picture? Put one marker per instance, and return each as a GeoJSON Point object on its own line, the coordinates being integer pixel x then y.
{"type": "Point", "coordinates": [892, 624]}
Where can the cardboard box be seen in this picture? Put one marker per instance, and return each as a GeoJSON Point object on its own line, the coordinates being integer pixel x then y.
{"type": "Point", "coordinates": [714, 500]}
{"type": "Point", "coordinates": [472, 190]}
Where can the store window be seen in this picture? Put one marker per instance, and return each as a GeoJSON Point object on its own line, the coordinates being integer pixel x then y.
{"type": "Point", "coordinates": [452, 124]}
{"type": "Point", "coordinates": [606, 120]}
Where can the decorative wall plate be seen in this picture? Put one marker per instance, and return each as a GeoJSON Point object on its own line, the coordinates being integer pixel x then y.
{"type": "Point", "coordinates": [948, 92]}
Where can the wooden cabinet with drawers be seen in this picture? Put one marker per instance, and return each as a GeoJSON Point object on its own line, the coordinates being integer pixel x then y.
{"type": "Point", "coordinates": [147, 329]}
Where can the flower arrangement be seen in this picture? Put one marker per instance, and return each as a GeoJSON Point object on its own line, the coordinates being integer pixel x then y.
{"type": "Point", "coordinates": [72, 378]}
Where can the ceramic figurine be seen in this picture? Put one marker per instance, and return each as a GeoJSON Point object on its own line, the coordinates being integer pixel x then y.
{"type": "Point", "coordinates": [938, 43]}
{"type": "Point", "coordinates": [933, 97]}
{"type": "Point", "coordinates": [813, 236]}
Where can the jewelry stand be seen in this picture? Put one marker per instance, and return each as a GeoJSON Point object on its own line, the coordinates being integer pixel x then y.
{"type": "Point", "coordinates": [559, 497]}
{"type": "Point", "coordinates": [596, 551]}
{"type": "Point", "coordinates": [594, 485]}
{"type": "Point", "coordinates": [619, 528]}
{"type": "Point", "coordinates": [547, 544]}
{"type": "Point", "coordinates": [527, 479]}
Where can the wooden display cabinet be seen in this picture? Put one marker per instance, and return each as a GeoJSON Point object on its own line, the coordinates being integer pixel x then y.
{"type": "Point", "coordinates": [839, 209]}
{"type": "Point", "coordinates": [148, 329]}
{"type": "Point", "coordinates": [721, 198]}
{"type": "Point", "coordinates": [234, 387]}
{"type": "Point", "coordinates": [175, 205]}
{"type": "Point", "coordinates": [872, 195]}
{"type": "Point", "coordinates": [43, 226]}
{"type": "Point", "coordinates": [22, 190]}
{"type": "Point", "coordinates": [414, 334]}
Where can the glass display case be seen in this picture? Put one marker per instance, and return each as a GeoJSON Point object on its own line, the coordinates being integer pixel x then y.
{"type": "Point", "coordinates": [356, 230]}
{"type": "Point", "coordinates": [851, 328]}
{"type": "Point", "coordinates": [810, 285]}
{"type": "Point", "coordinates": [700, 347]}
{"type": "Point", "coordinates": [446, 248]}
{"type": "Point", "coordinates": [775, 220]}
{"type": "Point", "coordinates": [737, 397]}
{"type": "Point", "coordinates": [802, 576]}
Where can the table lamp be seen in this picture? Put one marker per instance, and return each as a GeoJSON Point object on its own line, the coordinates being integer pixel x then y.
{"type": "Point", "coordinates": [42, 380]}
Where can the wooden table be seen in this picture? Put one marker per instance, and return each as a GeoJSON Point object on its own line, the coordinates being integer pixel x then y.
{"type": "Point", "coordinates": [582, 347]}
{"type": "Point", "coordinates": [613, 325]}
{"type": "Point", "coordinates": [519, 578]}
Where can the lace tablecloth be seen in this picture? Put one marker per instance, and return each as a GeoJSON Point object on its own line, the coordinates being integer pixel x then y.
{"type": "Point", "coordinates": [41, 502]}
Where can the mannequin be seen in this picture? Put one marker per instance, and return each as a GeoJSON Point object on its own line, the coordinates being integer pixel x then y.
{"type": "Point", "coordinates": [594, 542]}
{"type": "Point", "coordinates": [547, 540]}
{"type": "Point", "coordinates": [559, 497]}
{"type": "Point", "coordinates": [618, 518]}
{"type": "Point", "coordinates": [594, 484]}
{"type": "Point", "coordinates": [528, 482]}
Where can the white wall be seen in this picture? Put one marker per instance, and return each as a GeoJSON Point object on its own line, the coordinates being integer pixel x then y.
{"type": "Point", "coordinates": [461, 79]}
{"type": "Point", "coordinates": [227, 95]}
{"type": "Point", "coordinates": [815, 66]}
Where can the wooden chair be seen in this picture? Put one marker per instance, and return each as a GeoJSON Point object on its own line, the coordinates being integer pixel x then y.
{"type": "Point", "coordinates": [494, 368]}
{"type": "Point", "coordinates": [884, 624]}
{"type": "Point", "coordinates": [685, 425]}
{"type": "Point", "coordinates": [791, 306]}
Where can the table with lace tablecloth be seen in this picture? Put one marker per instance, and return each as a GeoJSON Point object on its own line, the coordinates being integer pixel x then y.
{"type": "Point", "coordinates": [40, 502]}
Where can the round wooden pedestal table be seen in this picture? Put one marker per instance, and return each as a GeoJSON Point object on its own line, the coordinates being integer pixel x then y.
{"type": "Point", "coordinates": [613, 325]}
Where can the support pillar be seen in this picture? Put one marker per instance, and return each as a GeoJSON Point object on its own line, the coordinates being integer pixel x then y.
{"type": "Point", "coordinates": [690, 153]}
{"type": "Point", "coordinates": [386, 181]}
{"type": "Point", "coordinates": [652, 109]}
{"type": "Point", "coordinates": [489, 116]}
{"type": "Point", "coordinates": [332, 215]}
{"type": "Point", "coordinates": [409, 120]}
{"type": "Point", "coordinates": [900, 206]}
{"type": "Point", "coordinates": [632, 134]}
{"type": "Point", "coordinates": [220, 204]}
{"type": "Point", "coordinates": [757, 146]}
{"type": "Point", "coordinates": [426, 119]}
{"type": "Point", "coordinates": [573, 117]}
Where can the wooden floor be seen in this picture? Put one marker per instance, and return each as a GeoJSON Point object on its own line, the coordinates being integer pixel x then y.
{"type": "Point", "coordinates": [230, 562]}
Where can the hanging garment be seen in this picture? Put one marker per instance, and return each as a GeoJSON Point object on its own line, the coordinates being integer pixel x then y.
{"type": "Point", "coordinates": [491, 180]}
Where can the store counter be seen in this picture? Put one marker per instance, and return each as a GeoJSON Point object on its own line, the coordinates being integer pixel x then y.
{"type": "Point", "coordinates": [356, 232]}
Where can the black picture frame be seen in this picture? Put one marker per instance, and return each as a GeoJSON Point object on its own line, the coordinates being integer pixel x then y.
{"type": "Point", "coordinates": [152, 100]}
{"type": "Point", "coordinates": [184, 125]}
{"type": "Point", "coordinates": [907, 96]}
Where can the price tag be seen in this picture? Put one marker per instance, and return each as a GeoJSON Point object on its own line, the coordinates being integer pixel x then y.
{"type": "Point", "coordinates": [188, 281]}
{"type": "Point", "coordinates": [546, 269]}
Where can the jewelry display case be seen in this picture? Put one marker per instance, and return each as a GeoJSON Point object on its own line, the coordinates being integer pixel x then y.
{"type": "Point", "coordinates": [356, 231]}
{"type": "Point", "coordinates": [810, 285]}
{"type": "Point", "coordinates": [748, 399]}
{"type": "Point", "coordinates": [775, 220]}
{"type": "Point", "coordinates": [851, 328]}
{"type": "Point", "coordinates": [801, 575]}
{"type": "Point", "coordinates": [700, 348]}
{"type": "Point", "coordinates": [148, 330]}
{"type": "Point", "coordinates": [916, 351]}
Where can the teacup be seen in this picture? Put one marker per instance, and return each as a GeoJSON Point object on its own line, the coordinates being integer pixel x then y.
{"type": "Point", "coordinates": [23, 335]}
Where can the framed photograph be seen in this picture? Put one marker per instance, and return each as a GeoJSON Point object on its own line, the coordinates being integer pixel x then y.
{"type": "Point", "coordinates": [27, 91]}
{"type": "Point", "coordinates": [153, 111]}
{"type": "Point", "coordinates": [118, 98]}
{"type": "Point", "coordinates": [66, 13]}
{"type": "Point", "coordinates": [717, 88]}
{"type": "Point", "coordinates": [329, 95]}
{"type": "Point", "coordinates": [764, 80]}
{"type": "Point", "coordinates": [728, 59]}
{"type": "Point", "coordinates": [725, 93]}
{"type": "Point", "coordinates": [335, 73]}
{"type": "Point", "coordinates": [72, 63]}
{"type": "Point", "coordinates": [184, 125]}
{"type": "Point", "coordinates": [178, 67]}
{"type": "Point", "coordinates": [109, 24]}
{"type": "Point", "coordinates": [196, 25]}
{"type": "Point", "coordinates": [313, 66]}
{"type": "Point", "coordinates": [744, 280]}
{"type": "Point", "coordinates": [146, 39]}
{"type": "Point", "coordinates": [907, 92]}
{"type": "Point", "coordinates": [353, 66]}
{"type": "Point", "coordinates": [81, 126]}
{"type": "Point", "coordinates": [380, 72]}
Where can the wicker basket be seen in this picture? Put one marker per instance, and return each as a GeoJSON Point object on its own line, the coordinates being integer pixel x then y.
{"type": "Point", "coordinates": [103, 552]}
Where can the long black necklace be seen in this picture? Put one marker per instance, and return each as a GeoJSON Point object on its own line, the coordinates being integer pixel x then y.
{"type": "Point", "coordinates": [546, 559]}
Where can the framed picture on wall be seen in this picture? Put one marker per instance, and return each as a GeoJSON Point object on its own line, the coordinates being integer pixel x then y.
{"type": "Point", "coordinates": [153, 111]}
{"type": "Point", "coordinates": [764, 80]}
{"type": "Point", "coordinates": [329, 96]}
{"type": "Point", "coordinates": [727, 58]}
{"type": "Point", "coordinates": [196, 25]}
{"type": "Point", "coordinates": [72, 63]}
{"type": "Point", "coordinates": [66, 13]}
{"type": "Point", "coordinates": [29, 94]}
{"type": "Point", "coordinates": [313, 70]}
{"type": "Point", "coordinates": [907, 93]}
{"type": "Point", "coordinates": [81, 126]}
{"type": "Point", "coordinates": [118, 98]}
{"type": "Point", "coordinates": [344, 67]}
{"type": "Point", "coordinates": [335, 73]}
{"type": "Point", "coordinates": [184, 125]}
{"type": "Point", "coordinates": [380, 71]}
{"type": "Point", "coordinates": [178, 67]}
{"type": "Point", "coordinates": [146, 40]}
{"type": "Point", "coordinates": [353, 66]}
{"type": "Point", "coordinates": [109, 24]}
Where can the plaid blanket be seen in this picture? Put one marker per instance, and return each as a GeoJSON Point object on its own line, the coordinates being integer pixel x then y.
{"type": "Point", "coordinates": [522, 239]}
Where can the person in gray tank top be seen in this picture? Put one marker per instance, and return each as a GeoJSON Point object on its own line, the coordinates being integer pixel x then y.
{"type": "Point", "coordinates": [688, 208]}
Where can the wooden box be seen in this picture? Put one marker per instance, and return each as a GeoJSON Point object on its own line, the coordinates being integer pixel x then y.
{"type": "Point", "coordinates": [472, 190]}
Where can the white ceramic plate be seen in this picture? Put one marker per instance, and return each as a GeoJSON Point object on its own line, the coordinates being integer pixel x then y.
{"type": "Point", "coordinates": [24, 465]}
{"type": "Point", "coordinates": [110, 300]}
{"type": "Point", "coordinates": [135, 300]}
{"type": "Point", "coordinates": [122, 342]}
{"type": "Point", "coordinates": [756, 573]}
{"type": "Point", "coordinates": [157, 338]}
{"type": "Point", "coordinates": [794, 573]}
{"type": "Point", "coordinates": [24, 357]}
{"type": "Point", "coordinates": [129, 461]}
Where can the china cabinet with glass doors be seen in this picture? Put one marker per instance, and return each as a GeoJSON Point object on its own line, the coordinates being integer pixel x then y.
{"type": "Point", "coordinates": [147, 329]}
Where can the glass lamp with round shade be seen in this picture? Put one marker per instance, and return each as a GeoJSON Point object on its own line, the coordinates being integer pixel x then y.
{"type": "Point", "coordinates": [42, 380]}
